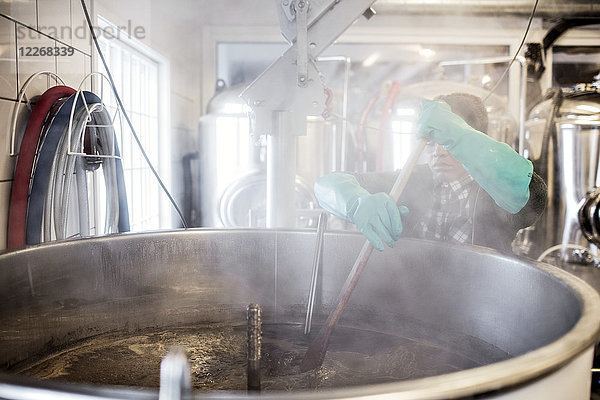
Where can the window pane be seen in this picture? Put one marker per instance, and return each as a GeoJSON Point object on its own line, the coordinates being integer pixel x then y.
{"type": "Point", "coordinates": [136, 78]}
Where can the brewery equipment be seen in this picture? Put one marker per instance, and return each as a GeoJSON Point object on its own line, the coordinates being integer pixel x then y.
{"type": "Point", "coordinates": [563, 141]}
{"type": "Point", "coordinates": [429, 320]}
{"type": "Point", "coordinates": [233, 165]}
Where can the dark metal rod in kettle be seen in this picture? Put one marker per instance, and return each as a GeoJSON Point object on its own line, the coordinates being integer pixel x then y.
{"type": "Point", "coordinates": [316, 351]}
{"type": "Point", "coordinates": [254, 346]}
{"type": "Point", "coordinates": [321, 227]}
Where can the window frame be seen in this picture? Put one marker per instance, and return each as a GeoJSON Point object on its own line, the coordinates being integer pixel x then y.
{"type": "Point", "coordinates": [163, 167]}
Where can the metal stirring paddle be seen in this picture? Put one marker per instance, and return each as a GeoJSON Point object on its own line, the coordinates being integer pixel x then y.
{"type": "Point", "coordinates": [321, 227]}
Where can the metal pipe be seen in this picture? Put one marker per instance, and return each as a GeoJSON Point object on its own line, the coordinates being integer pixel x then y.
{"type": "Point", "coordinates": [321, 227]}
{"type": "Point", "coordinates": [175, 379]}
{"type": "Point", "coordinates": [487, 60]}
{"type": "Point", "coordinates": [549, 8]}
{"type": "Point", "coordinates": [563, 25]}
{"type": "Point", "coordinates": [522, 102]}
{"type": "Point", "coordinates": [281, 172]}
{"type": "Point", "coordinates": [254, 346]}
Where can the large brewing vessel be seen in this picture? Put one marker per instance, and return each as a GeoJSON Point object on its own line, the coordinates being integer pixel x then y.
{"type": "Point", "coordinates": [543, 321]}
{"type": "Point", "coordinates": [563, 141]}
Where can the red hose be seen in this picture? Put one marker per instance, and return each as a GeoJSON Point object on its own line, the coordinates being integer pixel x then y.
{"type": "Point", "coordinates": [17, 212]}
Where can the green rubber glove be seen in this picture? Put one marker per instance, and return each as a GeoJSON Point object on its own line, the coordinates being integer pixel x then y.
{"type": "Point", "coordinates": [498, 169]}
{"type": "Point", "coordinates": [375, 215]}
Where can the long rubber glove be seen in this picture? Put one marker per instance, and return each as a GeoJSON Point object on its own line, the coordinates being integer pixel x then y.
{"type": "Point", "coordinates": [375, 215]}
{"type": "Point", "coordinates": [498, 169]}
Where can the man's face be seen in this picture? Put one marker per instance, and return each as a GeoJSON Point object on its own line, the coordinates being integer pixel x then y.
{"type": "Point", "coordinates": [444, 166]}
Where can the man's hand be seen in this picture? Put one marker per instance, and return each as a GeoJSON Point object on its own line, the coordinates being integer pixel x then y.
{"type": "Point", "coordinates": [378, 218]}
{"type": "Point", "coordinates": [498, 169]}
{"type": "Point", "coordinates": [438, 123]}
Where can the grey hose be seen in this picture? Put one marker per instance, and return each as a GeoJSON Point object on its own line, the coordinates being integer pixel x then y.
{"type": "Point", "coordinates": [71, 162]}
{"type": "Point", "coordinates": [57, 201]}
{"type": "Point", "coordinates": [66, 165]}
{"type": "Point", "coordinates": [106, 137]}
{"type": "Point", "coordinates": [82, 197]}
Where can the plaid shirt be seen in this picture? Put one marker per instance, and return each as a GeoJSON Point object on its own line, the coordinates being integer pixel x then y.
{"type": "Point", "coordinates": [451, 217]}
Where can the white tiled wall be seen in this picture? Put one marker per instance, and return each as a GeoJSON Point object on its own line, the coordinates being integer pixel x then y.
{"type": "Point", "coordinates": [35, 23]}
{"type": "Point", "coordinates": [22, 11]}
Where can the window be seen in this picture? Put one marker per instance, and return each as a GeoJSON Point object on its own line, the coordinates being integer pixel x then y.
{"type": "Point", "coordinates": [139, 77]}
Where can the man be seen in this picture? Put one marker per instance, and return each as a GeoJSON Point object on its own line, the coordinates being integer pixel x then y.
{"type": "Point", "coordinates": [474, 190]}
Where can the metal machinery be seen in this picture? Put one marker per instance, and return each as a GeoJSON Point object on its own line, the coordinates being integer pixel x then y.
{"type": "Point", "coordinates": [276, 154]}
{"type": "Point", "coordinates": [233, 167]}
{"type": "Point", "coordinates": [233, 164]}
{"type": "Point", "coordinates": [291, 89]}
{"type": "Point", "coordinates": [563, 139]}
{"type": "Point", "coordinates": [539, 323]}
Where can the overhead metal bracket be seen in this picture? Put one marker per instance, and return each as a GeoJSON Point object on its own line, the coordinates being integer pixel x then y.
{"type": "Point", "coordinates": [277, 89]}
{"type": "Point", "coordinates": [302, 41]}
{"type": "Point", "coordinates": [291, 89]}
{"type": "Point", "coordinates": [287, 15]}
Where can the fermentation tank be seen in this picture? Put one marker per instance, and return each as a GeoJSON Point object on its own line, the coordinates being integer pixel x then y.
{"type": "Point", "coordinates": [91, 318]}
{"type": "Point", "coordinates": [563, 140]}
{"type": "Point", "coordinates": [232, 165]}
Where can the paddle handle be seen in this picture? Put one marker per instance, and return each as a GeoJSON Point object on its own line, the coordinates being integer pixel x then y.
{"type": "Point", "coordinates": [367, 249]}
{"type": "Point", "coordinates": [316, 351]}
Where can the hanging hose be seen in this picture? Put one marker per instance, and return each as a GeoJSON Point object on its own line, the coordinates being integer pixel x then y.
{"type": "Point", "coordinates": [41, 178]}
{"type": "Point", "coordinates": [83, 205]}
{"type": "Point", "coordinates": [107, 145]}
{"type": "Point", "coordinates": [100, 139]}
{"type": "Point", "coordinates": [59, 192]}
{"type": "Point", "coordinates": [48, 203]}
{"type": "Point", "coordinates": [17, 214]}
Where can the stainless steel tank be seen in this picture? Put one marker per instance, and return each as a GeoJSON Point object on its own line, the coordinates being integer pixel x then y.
{"type": "Point", "coordinates": [232, 165]}
{"type": "Point", "coordinates": [544, 319]}
{"type": "Point", "coordinates": [563, 140]}
{"type": "Point", "coordinates": [227, 153]}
